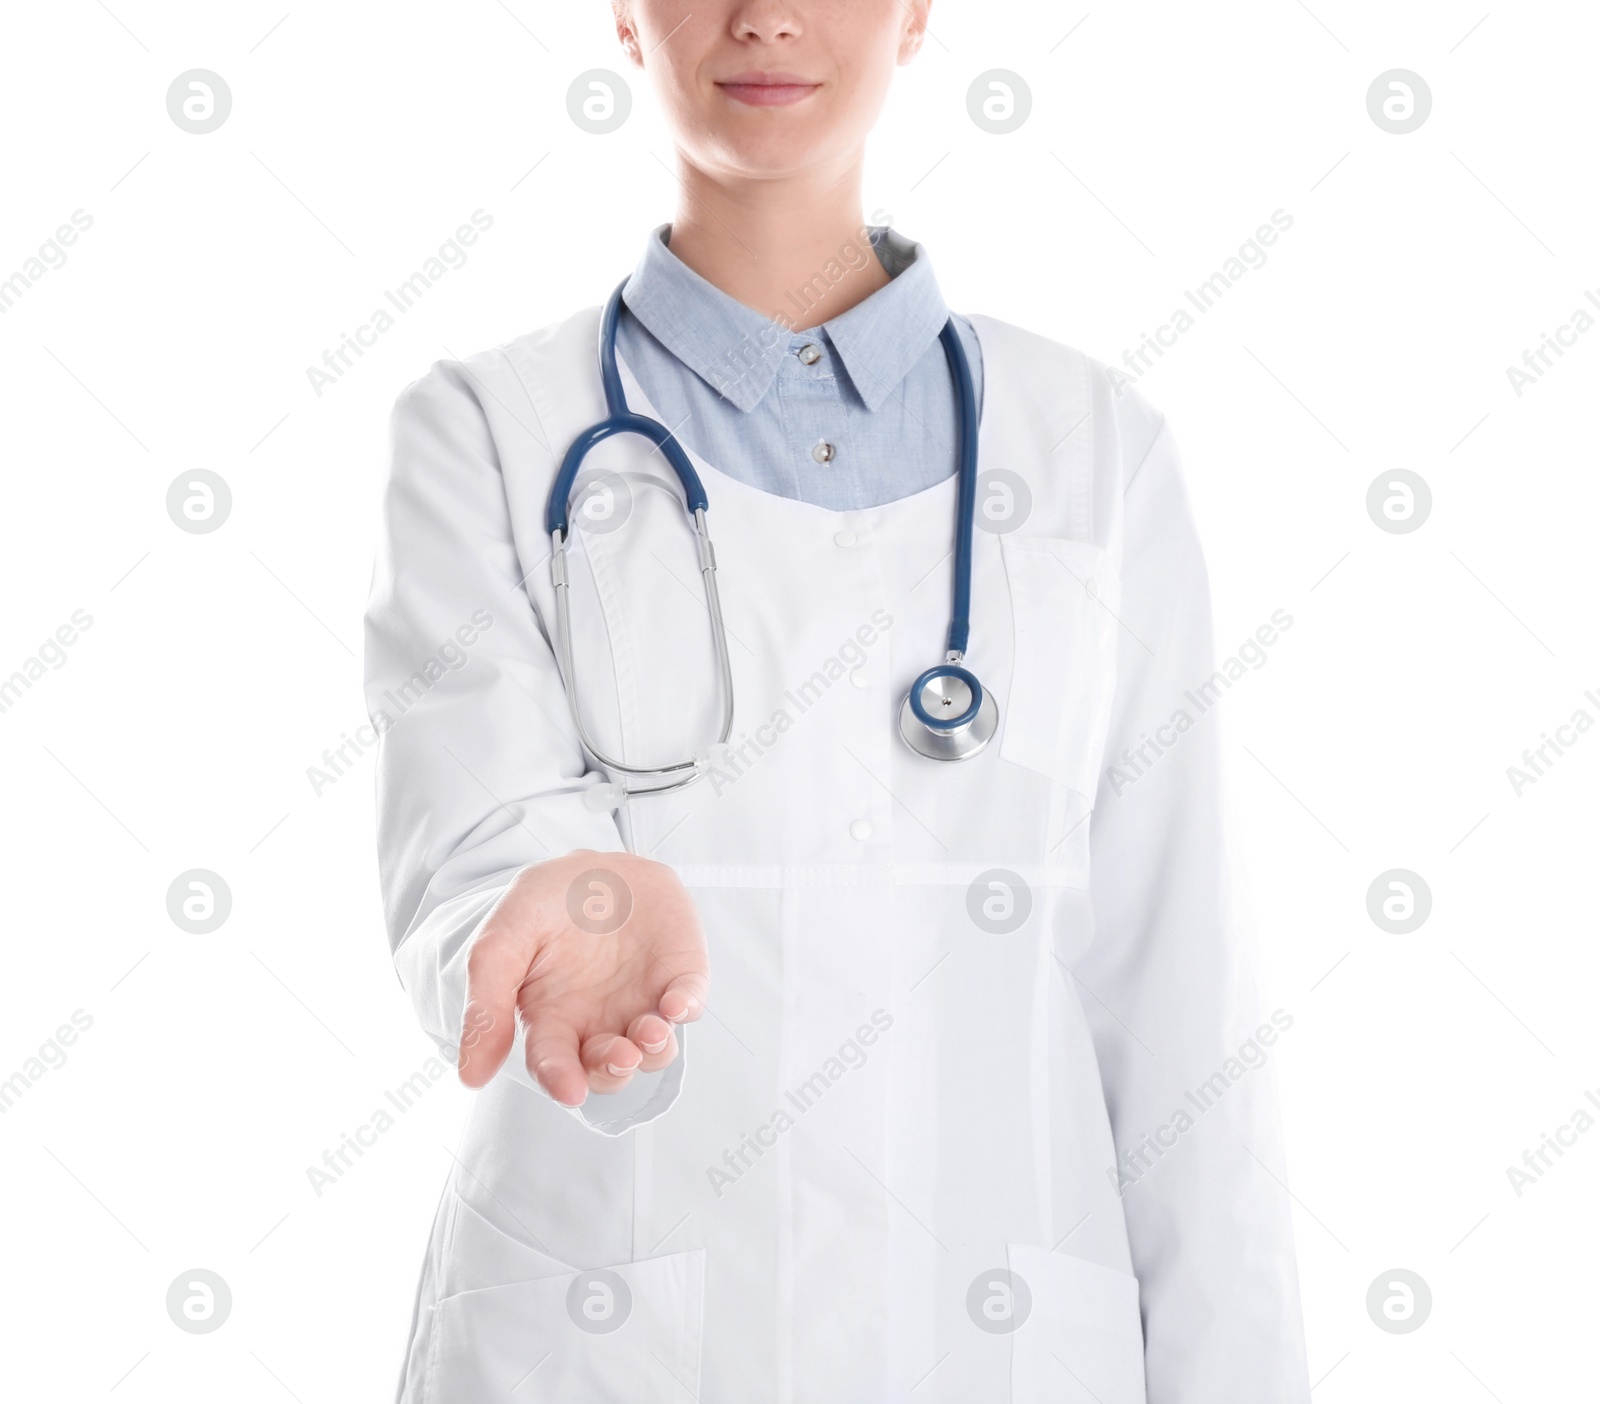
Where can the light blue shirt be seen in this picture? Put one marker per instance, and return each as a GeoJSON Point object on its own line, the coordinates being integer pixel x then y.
{"type": "Point", "coordinates": [855, 412]}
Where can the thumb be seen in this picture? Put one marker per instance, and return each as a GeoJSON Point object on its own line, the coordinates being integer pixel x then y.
{"type": "Point", "coordinates": [497, 964]}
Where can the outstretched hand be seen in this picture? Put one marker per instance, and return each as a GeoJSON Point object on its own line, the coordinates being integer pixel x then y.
{"type": "Point", "coordinates": [600, 954]}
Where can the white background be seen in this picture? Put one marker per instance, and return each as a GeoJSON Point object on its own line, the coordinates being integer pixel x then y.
{"type": "Point", "coordinates": [218, 667]}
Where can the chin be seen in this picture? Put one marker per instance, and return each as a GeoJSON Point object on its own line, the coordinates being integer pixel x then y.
{"type": "Point", "coordinates": [771, 151]}
{"type": "Point", "coordinates": [765, 164]}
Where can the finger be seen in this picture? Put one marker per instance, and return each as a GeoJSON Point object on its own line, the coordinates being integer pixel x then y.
{"type": "Point", "coordinates": [554, 1062]}
{"type": "Point", "coordinates": [610, 1061]}
{"type": "Point", "coordinates": [497, 964]}
{"type": "Point", "coordinates": [653, 1037]}
{"type": "Point", "coordinates": [684, 1000]}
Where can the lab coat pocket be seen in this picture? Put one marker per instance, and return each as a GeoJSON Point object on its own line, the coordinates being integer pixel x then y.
{"type": "Point", "coordinates": [1082, 1342]}
{"type": "Point", "coordinates": [628, 1331]}
{"type": "Point", "coordinates": [1064, 661]}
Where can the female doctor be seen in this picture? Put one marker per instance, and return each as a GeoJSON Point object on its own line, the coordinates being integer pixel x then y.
{"type": "Point", "coordinates": [892, 792]}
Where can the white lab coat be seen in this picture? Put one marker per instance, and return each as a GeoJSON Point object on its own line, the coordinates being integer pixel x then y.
{"type": "Point", "coordinates": [889, 1104]}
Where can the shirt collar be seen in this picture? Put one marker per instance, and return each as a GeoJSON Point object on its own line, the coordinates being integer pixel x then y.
{"type": "Point", "coordinates": [881, 339]}
{"type": "Point", "coordinates": [737, 351]}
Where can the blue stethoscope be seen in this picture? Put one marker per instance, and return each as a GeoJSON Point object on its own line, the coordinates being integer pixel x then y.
{"type": "Point", "coordinates": [947, 715]}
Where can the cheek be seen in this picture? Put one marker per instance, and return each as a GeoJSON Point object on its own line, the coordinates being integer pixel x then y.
{"type": "Point", "coordinates": [865, 71]}
{"type": "Point", "coordinates": [870, 86]}
{"type": "Point", "coordinates": [689, 107]}
{"type": "Point", "coordinates": [685, 108]}
{"type": "Point", "coordinates": [855, 106]}
{"type": "Point", "coordinates": [676, 44]}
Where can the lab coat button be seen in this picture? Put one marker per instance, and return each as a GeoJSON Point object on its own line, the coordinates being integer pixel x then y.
{"type": "Point", "coordinates": [810, 353]}
{"type": "Point", "coordinates": [844, 538]}
{"type": "Point", "coordinates": [861, 831]}
{"type": "Point", "coordinates": [824, 452]}
{"type": "Point", "coordinates": [1093, 588]}
{"type": "Point", "coordinates": [858, 676]}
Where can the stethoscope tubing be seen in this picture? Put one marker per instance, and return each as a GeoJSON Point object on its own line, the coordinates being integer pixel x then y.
{"type": "Point", "coordinates": [966, 492]}
{"type": "Point", "coordinates": [620, 420]}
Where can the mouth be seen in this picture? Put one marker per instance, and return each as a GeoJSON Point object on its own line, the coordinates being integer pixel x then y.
{"type": "Point", "coordinates": [768, 89]}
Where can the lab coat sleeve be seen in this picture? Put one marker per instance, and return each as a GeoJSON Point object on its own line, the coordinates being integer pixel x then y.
{"type": "Point", "coordinates": [1185, 1052]}
{"type": "Point", "coordinates": [479, 770]}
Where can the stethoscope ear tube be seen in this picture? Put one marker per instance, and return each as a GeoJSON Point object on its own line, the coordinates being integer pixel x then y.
{"type": "Point", "coordinates": [680, 773]}
{"type": "Point", "coordinates": [558, 524]}
{"type": "Point", "coordinates": [558, 509]}
{"type": "Point", "coordinates": [618, 420]}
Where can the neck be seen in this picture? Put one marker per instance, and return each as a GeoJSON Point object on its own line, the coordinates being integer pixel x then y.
{"type": "Point", "coordinates": [792, 249]}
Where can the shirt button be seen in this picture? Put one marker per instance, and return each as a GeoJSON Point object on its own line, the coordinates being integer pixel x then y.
{"type": "Point", "coordinates": [810, 353]}
{"type": "Point", "coordinates": [861, 831]}
{"type": "Point", "coordinates": [824, 452]}
{"type": "Point", "coordinates": [859, 677]}
{"type": "Point", "coordinates": [844, 538]}
{"type": "Point", "coordinates": [1093, 588]}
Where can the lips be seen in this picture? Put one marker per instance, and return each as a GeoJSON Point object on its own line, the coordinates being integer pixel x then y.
{"type": "Point", "coordinates": [768, 89]}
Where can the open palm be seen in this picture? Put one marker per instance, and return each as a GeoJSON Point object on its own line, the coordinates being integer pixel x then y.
{"type": "Point", "coordinates": [600, 954]}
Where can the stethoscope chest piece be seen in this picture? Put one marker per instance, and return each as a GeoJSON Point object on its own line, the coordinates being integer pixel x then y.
{"type": "Point", "coordinates": [948, 715]}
